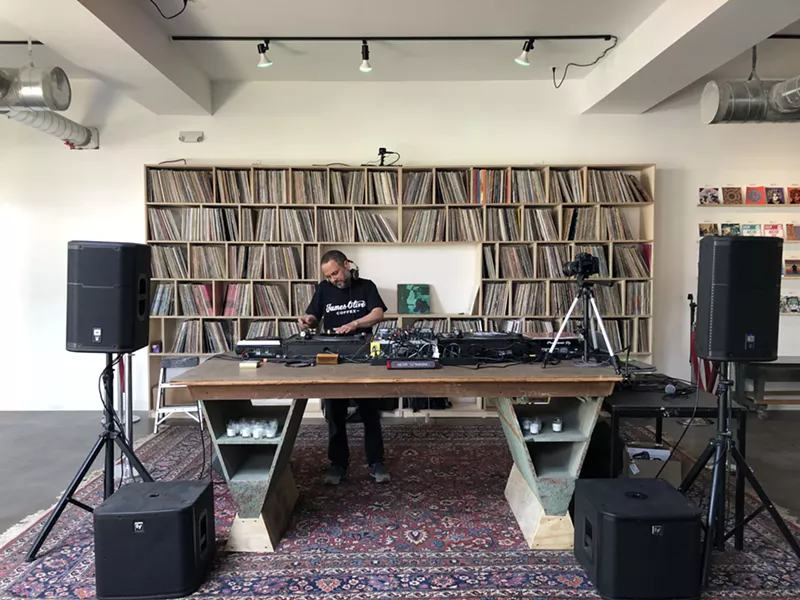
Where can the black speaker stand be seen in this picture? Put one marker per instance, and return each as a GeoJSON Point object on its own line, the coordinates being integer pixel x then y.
{"type": "Point", "coordinates": [108, 437]}
{"type": "Point", "coordinates": [719, 447]}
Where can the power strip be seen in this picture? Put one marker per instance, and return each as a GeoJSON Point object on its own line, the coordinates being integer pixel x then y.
{"type": "Point", "coordinates": [408, 364]}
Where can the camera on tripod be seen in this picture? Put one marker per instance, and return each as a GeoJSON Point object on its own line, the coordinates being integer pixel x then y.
{"type": "Point", "coordinates": [584, 265]}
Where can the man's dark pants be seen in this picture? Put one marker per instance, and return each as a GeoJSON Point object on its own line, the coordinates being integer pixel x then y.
{"type": "Point", "coordinates": [336, 415]}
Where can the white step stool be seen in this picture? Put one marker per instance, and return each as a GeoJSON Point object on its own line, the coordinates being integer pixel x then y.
{"type": "Point", "coordinates": [164, 412]}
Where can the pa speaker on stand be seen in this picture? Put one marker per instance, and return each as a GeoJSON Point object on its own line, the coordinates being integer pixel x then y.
{"type": "Point", "coordinates": [108, 296]}
{"type": "Point", "coordinates": [738, 313]}
{"type": "Point", "coordinates": [108, 293]}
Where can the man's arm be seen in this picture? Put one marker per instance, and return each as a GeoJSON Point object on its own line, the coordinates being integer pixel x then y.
{"type": "Point", "coordinates": [307, 321]}
{"type": "Point", "coordinates": [376, 308]}
{"type": "Point", "coordinates": [374, 316]}
{"type": "Point", "coordinates": [313, 312]}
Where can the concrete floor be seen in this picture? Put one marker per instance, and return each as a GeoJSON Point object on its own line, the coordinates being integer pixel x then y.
{"type": "Point", "coordinates": [41, 452]}
{"type": "Point", "coordinates": [773, 453]}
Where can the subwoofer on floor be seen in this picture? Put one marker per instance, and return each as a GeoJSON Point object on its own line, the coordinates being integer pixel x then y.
{"type": "Point", "coordinates": [154, 540]}
{"type": "Point", "coordinates": [108, 296]}
{"type": "Point", "coordinates": [638, 539]}
{"type": "Point", "coordinates": [738, 298]}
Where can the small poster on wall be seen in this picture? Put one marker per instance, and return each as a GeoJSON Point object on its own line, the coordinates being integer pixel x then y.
{"type": "Point", "coordinates": [709, 195]}
{"type": "Point", "coordinates": [413, 299]}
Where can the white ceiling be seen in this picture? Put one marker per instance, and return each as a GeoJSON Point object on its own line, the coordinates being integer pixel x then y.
{"type": "Point", "coordinates": [666, 44]}
{"type": "Point", "coordinates": [391, 61]}
{"type": "Point", "coordinates": [777, 59]}
{"type": "Point", "coordinates": [12, 56]}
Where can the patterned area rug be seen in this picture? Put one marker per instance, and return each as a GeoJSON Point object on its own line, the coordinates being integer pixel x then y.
{"type": "Point", "coordinates": [441, 529]}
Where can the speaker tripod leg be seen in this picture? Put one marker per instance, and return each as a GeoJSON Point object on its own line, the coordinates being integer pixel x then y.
{"type": "Point", "coordinates": [133, 459]}
{"type": "Point", "coordinates": [715, 505]}
{"type": "Point", "coordinates": [561, 329]}
{"type": "Point", "coordinates": [762, 495]}
{"type": "Point", "coordinates": [697, 468]}
{"type": "Point", "coordinates": [66, 498]}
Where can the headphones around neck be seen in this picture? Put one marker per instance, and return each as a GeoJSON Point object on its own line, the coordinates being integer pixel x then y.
{"type": "Point", "coordinates": [353, 269]}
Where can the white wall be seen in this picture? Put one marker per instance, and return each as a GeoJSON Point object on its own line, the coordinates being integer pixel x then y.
{"type": "Point", "coordinates": [49, 195]}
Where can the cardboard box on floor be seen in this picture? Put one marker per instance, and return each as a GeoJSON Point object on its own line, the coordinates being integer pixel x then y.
{"type": "Point", "coordinates": [644, 468]}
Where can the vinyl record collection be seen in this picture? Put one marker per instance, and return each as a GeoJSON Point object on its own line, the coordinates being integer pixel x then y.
{"type": "Point", "coordinates": [241, 246]}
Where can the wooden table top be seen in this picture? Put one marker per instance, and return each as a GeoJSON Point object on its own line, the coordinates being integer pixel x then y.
{"type": "Point", "coordinates": [218, 378]}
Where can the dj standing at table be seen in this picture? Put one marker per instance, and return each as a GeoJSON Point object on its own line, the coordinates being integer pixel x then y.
{"type": "Point", "coordinates": [348, 304]}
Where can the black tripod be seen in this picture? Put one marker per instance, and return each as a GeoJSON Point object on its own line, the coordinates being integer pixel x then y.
{"type": "Point", "coordinates": [590, 311]}
{"type": "Point", "coordinates": [111, 435]}
{"type": "Point", "coordinates": [719, 447]}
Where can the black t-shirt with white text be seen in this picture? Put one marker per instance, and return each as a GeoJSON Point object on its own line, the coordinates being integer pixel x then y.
{"type": "Point", "coordinates": [337, 307]}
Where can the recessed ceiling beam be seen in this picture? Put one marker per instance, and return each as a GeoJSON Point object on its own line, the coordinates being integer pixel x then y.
{"type": "Point", "coordinates": [679, 43]}
{"type": "Point", "coordinates": [121, 45]}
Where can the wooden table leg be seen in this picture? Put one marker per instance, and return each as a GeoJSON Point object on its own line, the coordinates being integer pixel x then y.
{"type": "Point", "coordinates": [257, 471]}
{"type": "Point", "coordinates": [546, 466]}
{"type": "Point", "coordinates": [263, 533]}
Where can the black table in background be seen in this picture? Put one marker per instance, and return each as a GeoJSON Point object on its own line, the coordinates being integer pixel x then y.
{"type": "Point", "coordinates": [633, 404]}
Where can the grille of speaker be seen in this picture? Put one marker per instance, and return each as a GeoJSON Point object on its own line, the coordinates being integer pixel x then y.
{"type": "Point", "coordinates": [108, 296]}
{"type": "Point", "coordinates": [738, 298]}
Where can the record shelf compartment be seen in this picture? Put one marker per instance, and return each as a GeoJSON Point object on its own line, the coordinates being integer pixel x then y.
{"type": "Point", "coordinates": [262, 229]}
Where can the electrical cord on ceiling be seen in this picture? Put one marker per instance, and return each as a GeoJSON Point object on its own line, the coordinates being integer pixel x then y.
{"type": "Point", "coordinates": [591, 64]}
{"type": "Point", "coordinates": [177, 14]}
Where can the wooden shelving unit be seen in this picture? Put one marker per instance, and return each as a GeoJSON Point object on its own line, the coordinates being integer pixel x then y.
{"type": "Point", "coordinates": [228, 212]}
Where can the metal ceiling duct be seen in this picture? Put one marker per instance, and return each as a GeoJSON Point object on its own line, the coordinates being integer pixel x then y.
{"type": "Point", "coordinates": [29, 95]}
{"type": "Point", "coordinates": [751, 101]}
{"type": "Point", "coordinates": [73, 134]}
{"type": "Point", "coordinates": [785, 96]}
{"type": "Point", "coordinates": [32, 88]}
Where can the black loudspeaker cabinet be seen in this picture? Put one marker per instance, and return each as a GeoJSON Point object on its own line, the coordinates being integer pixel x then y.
{"type": "Point", "coordinates": [154, 540]}
{"type": "Point", "coordinates": [738, 298]}
{"type": "Point", "coordinates": [108, 296]}
{"type": "Point", "coordinates": [638, 539]}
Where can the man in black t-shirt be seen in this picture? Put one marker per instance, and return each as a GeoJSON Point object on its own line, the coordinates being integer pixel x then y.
{"type": "Point", "coordinates": [347, 304]}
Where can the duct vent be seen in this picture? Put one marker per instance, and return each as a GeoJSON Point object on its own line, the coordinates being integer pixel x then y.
{"type": "Point", "coordinates": [751, 101]}
{"type": "Point", "coordinates": [32, 88]}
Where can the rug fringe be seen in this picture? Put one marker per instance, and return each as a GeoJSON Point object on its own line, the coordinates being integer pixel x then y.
{"type": "Point", "coordinates": [20, 528]}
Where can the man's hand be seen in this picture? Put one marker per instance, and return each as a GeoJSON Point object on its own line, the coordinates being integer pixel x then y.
{"type": "Point", "coordinates": [306, 321]}
{"type": "Point", "coordinates": [348, 328]}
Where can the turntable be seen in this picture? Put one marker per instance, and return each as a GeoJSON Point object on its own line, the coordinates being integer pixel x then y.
{"type": "Point", "coordinates": [482, 346]}
{"type": "Point", "coordinates": [309, 344]}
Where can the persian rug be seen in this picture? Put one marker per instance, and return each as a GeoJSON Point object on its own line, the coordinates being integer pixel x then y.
{"type": "Point", "coordinates": [441, 529]}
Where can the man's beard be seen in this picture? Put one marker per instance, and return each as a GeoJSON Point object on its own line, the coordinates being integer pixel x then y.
{"type": "Point", "coordinates": [344, 283]}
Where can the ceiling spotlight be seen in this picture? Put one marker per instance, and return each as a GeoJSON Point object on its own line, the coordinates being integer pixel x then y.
{"type": "Point", "coordinates": [263, 61]}
{"type": "Point", "coordinates": [365, 66]}
{"type": "Point", "coordinates": [522, 59]}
